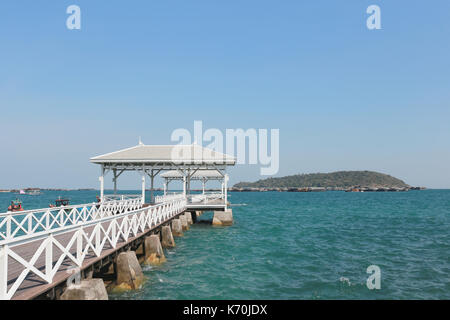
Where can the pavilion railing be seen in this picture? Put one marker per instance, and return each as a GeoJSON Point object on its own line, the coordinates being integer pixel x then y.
{"type": "Point", "coordinates": [74, 241]}
{"type": "Point", "coordinates": [168, 197]}
{"type": "Point", "coordinates": [205, 198]}
{"type": "Point", "coordinates": [111, 197]}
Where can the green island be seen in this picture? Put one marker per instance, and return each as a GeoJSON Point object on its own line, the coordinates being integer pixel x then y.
{"type": "Point", "coordinates": [355, 181]}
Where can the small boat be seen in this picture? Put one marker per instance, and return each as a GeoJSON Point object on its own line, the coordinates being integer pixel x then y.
{"type": "Point", "coordinates": [354, 190]}
{"type": "Point", "coordinates": [34, 192]}
{"type": "Point", "coordinates": [31, 192]}
{"type": "Point", "coordinates": [60, 203]}
{"type": "Point", "coordinates": [15, 206]}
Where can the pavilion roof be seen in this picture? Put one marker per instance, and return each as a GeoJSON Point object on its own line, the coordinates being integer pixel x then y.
{"type": "Point", "coordinates": [166, 155]}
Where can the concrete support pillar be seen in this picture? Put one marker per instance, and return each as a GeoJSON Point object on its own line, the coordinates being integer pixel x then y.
{"type": "Point", "coordinates": [90, 289]}
{"type": "Point", "coordinates": [154, 253]}
{"type": "Point", "coordinates": [167, 237]}
{"type": "Point", "coordinates": [129, 272]}
{"type": "Point", "coordinates": [188, 216]}
{"type": "Point", "coordinates": [184, 223]}
{"type": "Point", "coordinates": [177, 228]}
{"type": "Point", "coordinates": [223, 218]}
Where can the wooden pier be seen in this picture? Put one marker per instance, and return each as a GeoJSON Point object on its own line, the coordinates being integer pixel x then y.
{"type": "Point", "coordinates": [40, 250]}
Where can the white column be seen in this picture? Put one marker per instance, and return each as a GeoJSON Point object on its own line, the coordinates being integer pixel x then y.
{"type": "Point", "coordinates": [165, 186]}
{"type": "Point", "coordinates": [203, 185]}
{"type": "Point", "coordinates": [226, 190]}
{"type": "Point", "coordinates": [143, 187]}
{"type": "Point", "coordinates": [188, 183]}
{"type": "Point", "coordinates": [184, 186]}
{"type": "Point", "coordinates": [102, 184]}
{"type": "Point", "coordinates": [115, 181]}
{"type": "Point", "coordinates": [152, 178]}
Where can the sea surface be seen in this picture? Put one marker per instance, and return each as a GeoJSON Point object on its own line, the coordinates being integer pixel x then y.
{"type": "Point", "coordinates": [303, 246]}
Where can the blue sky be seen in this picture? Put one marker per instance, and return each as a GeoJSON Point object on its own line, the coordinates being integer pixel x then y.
{"type": "Point", "coordinates": [343, 97]}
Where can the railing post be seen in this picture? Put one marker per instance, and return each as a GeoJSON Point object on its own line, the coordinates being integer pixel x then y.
{"type": "Point", "coordinates": [49, 258]}
{"type": "Point", "coordinates": [47, 220]}
{"type": "Point", "coordinates": [113, 232]}
{"type": "Point", "coordinates": [30, 223]}
{"type": "Point", "coordinates": [79, 246]}
{"type": "Point", "coordinates": [125, 228]}
{"type": "Point", "coordinates": [97, 239]}
{"type": "Point", "coordinates": [8, 227]}
{"type": "Point", "coordinates": [3, 272]}
{"type": "Point", "coordinates": [62, 212]}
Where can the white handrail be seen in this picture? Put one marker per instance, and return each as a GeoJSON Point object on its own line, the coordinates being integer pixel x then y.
{"type": "Point", "coordinates": [168, 197]}
{"type": "Point", "coordinates": [25, 223]}
{"type": "Point", "coordinates": [205, 197]}
{"type": "Point", "coordinates": [110, 197]}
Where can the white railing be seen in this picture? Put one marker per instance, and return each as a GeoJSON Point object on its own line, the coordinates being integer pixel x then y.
{"type": "Point", "coordinates": [31, 222]}
{"type": "Point", "coordinates": [111, 197]}
{"type": "Point", "coordinates": [75, 241]}
{"type": "Point", "coordinates": [168, 197]}
{"type": "Point", "coordinates": [205, 198]}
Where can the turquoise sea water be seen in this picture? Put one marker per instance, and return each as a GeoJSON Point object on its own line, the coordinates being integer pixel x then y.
{"type": "Point", "coordinates": [304, 246]}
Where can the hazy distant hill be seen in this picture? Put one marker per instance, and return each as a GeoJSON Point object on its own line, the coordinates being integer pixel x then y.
{"type": "Point", "coordinates": [340, 179]}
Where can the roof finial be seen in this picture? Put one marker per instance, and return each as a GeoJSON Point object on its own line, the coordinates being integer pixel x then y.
{"type": "Point", "coordinates": [140, 141]}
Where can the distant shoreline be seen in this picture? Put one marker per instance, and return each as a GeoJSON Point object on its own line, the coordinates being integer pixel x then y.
{"type": "Point", "coordinates": [43, 189]}
{"type": "Point", "coordinates": [249, 189]}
